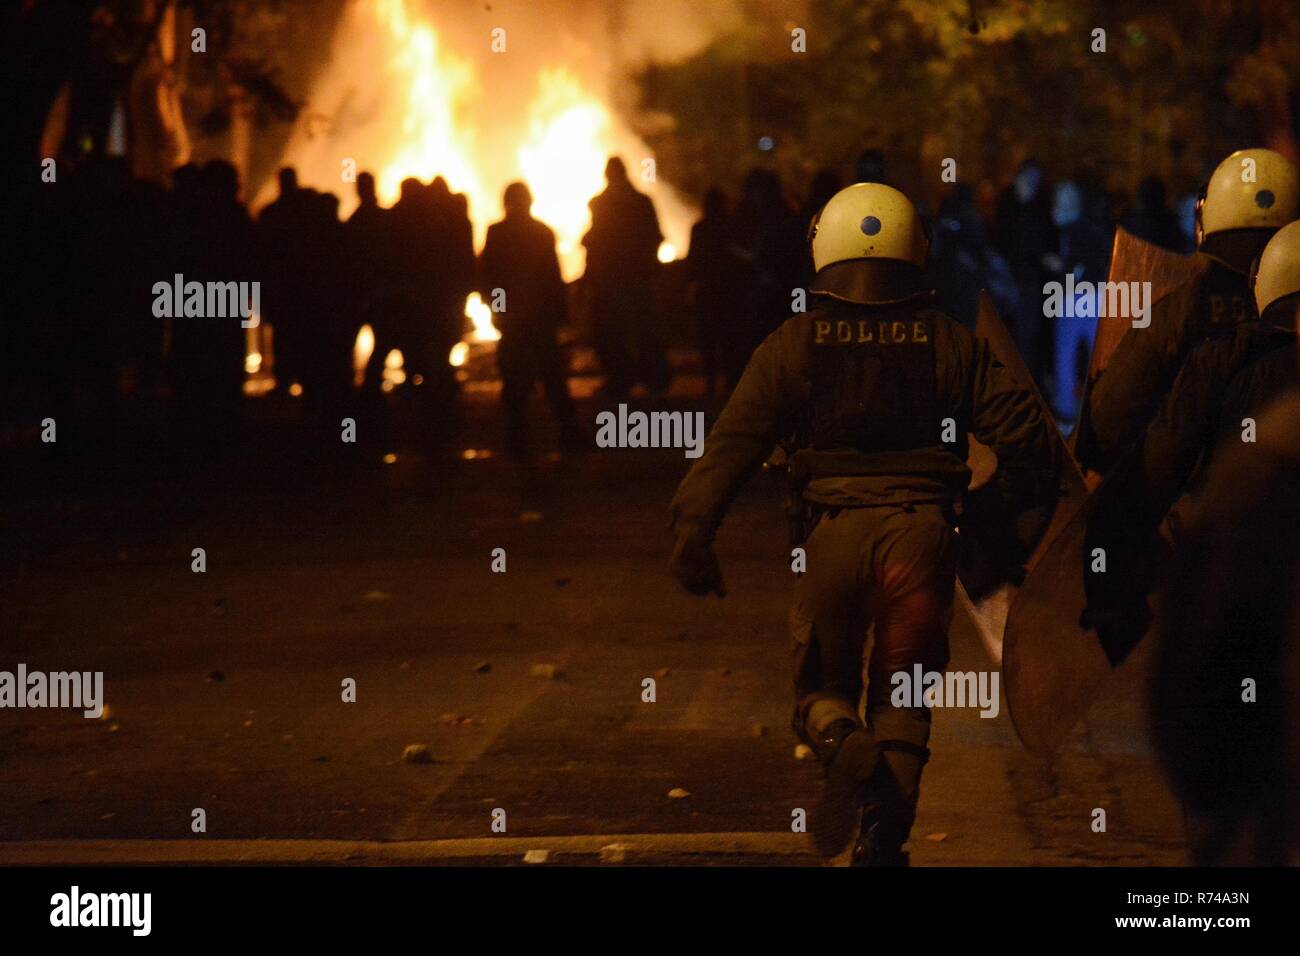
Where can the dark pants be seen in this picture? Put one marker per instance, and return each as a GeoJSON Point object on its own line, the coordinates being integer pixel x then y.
{"type": "Point", "coordinates": [524, 358]}
{"type": "Point", "coordinates": [1029, 325]}
{"type": "Point", "coordinates": [626, 338]}
{"type": "Point", "coordinates": [890, 569]}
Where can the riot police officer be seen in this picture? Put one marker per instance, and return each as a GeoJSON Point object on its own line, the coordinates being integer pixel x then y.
{"type": "Point", "coordinates": [1249, 196]}
{"type": "Point", "coordinates": [880, 389]}
{"type": "Point", "coordinates": [1222, 386]}
{"type": "Point", "coordinates": [1230, 612]}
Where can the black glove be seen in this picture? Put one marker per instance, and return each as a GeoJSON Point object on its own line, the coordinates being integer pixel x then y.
{"type": "Point", "coordinates": [696, 566]}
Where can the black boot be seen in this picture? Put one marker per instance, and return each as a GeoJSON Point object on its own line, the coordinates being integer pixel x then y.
{"type": "Point", "coordinates": [880, 839]}
{"type": "Point", "coordinates": [849, 756]}
{"type": "Point", "coordinates": [890, 808]}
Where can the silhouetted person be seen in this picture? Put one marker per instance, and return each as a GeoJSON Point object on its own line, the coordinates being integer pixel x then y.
{"type": "Point", "coordinates": [329, 308]}
{"type": "Point", "coordinates": [1230, 616]}
{"type": "Point", "coordinates": [712, 271]}
{"type": "Point", "coordinates": [368, 237]}
{"type": "Point", "coordinates": [1073, 330]}
{"type": "Point", "coordinates": [1025, 235]}
{"type": "Point", "coordinates": [212, 242]}
{"type": "Point", "coordinates": [368, 214]}
{"type": "Point", "coordinates": [1083, 243]}
{"type": "Point", "coordinates": [959, 264]}
{"type": "Point", "coordinates": [825, 184]}
{"type": "Point", "coordinates": [101, 264]}
{"type": "Point", "coordinates": [767, 240]}
{"type": "Point", "coordinates": [1152, 219]}
{"type": "Point", "coordinates": [280, 231]}
{"type": "Point", "coordinates": [417, 271]}
{"type": "Point", "coordinates": [622, 263]}
{"type": "Point", "coordinates": [870, 167]}
{"type": "Point", "coordinates": [456, 282]}
{"type": "Point", "coordinates": [434, 268]}
{"type": "Point", "coordinates": [519, 260]}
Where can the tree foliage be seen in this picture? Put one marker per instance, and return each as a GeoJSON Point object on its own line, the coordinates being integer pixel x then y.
{"type": "Point", "coordinates": [987, 82]}
{"type": "Point", "coordinates": [98, 50]}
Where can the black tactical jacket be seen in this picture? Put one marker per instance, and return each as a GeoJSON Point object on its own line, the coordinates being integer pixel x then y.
{"type": "Point", "coordinates": [1121, 403]}
{"type": "Point", "coordinates": [1230, 377]}
{"type": "Point", "coordinates": [882, 398]}
{"type": "Point", "coordinates": [1230, 612]}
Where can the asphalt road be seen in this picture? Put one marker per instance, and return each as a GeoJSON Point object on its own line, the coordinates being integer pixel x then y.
{"type": "Point", "coordinates": [224, 689]}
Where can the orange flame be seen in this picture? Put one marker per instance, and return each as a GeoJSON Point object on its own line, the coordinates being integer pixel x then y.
{"type": "Point", "coordinates": [401, 101]}
{"type": "Point", "coordinates": [437, 89]}
{"type": "Point", "coordinates": [568, 135]}
{"type": "Point", "coordinates": [564, 158]}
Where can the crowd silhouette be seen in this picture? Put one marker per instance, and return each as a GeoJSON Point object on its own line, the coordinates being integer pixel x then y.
{"type": "Point", "coordinates": [744, 262]}
{"type": "Point", "coordinates": [82, 339]}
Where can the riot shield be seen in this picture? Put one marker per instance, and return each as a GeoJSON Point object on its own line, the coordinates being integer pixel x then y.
{"type": "Point", "coordinates": [993, 563]}
{"type": "Point", "coordinates": [1136, 260]}
{"type": "Point", "coordinates": [1054, 665]}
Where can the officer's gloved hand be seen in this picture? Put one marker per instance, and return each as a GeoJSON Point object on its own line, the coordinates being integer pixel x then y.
{"type": "Point", "coordinates": [696, 566]}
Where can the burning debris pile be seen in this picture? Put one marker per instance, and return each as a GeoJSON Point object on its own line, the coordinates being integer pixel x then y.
{"type": "Point", "coordinates": [480, 102]}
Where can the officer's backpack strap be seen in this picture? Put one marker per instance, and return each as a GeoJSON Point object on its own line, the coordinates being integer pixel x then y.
{"type": "Point", "coordinates": [904, 747]}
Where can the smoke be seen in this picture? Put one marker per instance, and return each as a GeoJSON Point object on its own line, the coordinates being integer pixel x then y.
{"type": "Point", "coordinates": [665, 31]}
{"type": "Point", "coordinates": [484, 93]}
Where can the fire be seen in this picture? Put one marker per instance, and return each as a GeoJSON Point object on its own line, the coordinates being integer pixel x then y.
{"type": "Point", "coordinates": [401, 99]}
{"type": "Point", "coordinates": [477, 311]}
{"type": "Point", "coordinates": [437, 89]}
{"type": "Point", "coordinates": [564, 137]}
{"type": "Point", "coordinates": [363, 348]}
{"type": "Point", "coordinates": [564, 158]}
